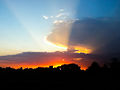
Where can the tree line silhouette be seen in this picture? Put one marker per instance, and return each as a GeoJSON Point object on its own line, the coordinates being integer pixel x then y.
{"type": "Point", "coordinates": [95, 67]}
{"type": "Point", "coordinates": [67, 76]}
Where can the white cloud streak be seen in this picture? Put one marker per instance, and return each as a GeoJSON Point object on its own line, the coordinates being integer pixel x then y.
{"type": "Point", "coordinates": [45, 17]}
{"type": "Point", "coordinates": [61, 10]}
{"type": "Point", "coordinates": [60, 14]}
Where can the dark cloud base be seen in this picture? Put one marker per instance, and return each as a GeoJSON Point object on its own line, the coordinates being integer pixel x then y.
{"type": "Point", "coordinates": [39, 58]}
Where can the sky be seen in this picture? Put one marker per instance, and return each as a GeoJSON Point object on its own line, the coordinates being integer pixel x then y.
{"type": "Point", "coordinates": [24, 24]}
{"type": "Point", "coordinates": [59, 25]}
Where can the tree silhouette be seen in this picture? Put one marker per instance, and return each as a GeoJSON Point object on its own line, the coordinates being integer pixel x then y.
{"type": "Point", "coordinates": [94, 67]}
{"type": "Point", "coordinates": [70, 68]}
{"type": "Point", "coordinates": [68, 76]}
{"type": "Point", "coordinates": [115, 65]}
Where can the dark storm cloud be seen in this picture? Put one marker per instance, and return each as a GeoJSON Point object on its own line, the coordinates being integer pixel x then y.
{"type": "Point", "coordinates": [101, 35]}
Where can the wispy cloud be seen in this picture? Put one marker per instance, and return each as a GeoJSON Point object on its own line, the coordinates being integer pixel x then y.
{"type": "Point", "coordinates": [61, 10]}
{"type": "Point", "coordinates": [58, 21]}
{"type": "Point", "coordinates": [60, 14]}
{"type": "Point", "coordinates": [51, 16]}
{"type": "Point", "coordinates": [45, 17]}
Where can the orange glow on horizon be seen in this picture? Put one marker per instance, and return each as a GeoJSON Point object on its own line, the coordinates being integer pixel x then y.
{"type": "Point", "coordinates": [83, 68]}
{"type": "Point", "coordinates": [36, 66]}
{"type": "Point", "coordinates": [44, 62]}
{"type": "Point", "coordinates": [54, 62]}
{"type": "Point", "coordinates": [55, 65]}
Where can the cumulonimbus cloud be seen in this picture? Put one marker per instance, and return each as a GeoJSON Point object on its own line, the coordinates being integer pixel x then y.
{"type": "Point", "coordinates": [101, 35]}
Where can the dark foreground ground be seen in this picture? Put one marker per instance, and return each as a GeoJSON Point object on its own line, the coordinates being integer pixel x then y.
{"type": "Point", "coordinates": [92, 79]}
{"type": "Point", "coordinates": [76, 81]}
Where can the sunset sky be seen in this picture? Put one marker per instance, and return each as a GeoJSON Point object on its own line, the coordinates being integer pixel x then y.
{"type": "Point", "coordinates": [59, 25]}
{"type": "Point", "coordinates": [25, 23]}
